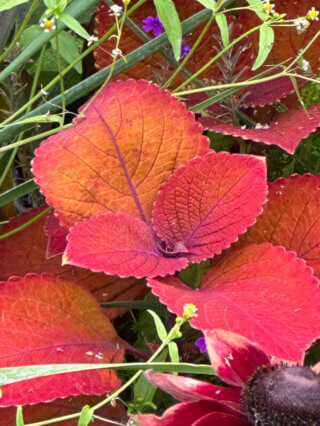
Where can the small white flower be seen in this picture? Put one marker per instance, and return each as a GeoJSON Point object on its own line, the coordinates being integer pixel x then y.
{"type": "Point", "coordinates": [43, 92]}
{"type": "Point", "coordinates": [301, 24]}
{"type": "Point", "coordinates": [313, 14]}
{"type": "Point", "coordinates": [260, 126]}
{"type": "Point", "coordinates": [117, 52]}
{"type": "Point", "coordinates": [92, 39]}
{"type": "Point", "coordinates": [189, 311]}
{"type": "Point", "coordinates": [305, 65]}
{"type": "Point", "coordinates": [115, 10]}
{"type": "Point", "coordinates": [48, 24]}
{"type": "Point", "coordinates": [47, 116]}
{"type": "Point", "coordinates": [268, 7]}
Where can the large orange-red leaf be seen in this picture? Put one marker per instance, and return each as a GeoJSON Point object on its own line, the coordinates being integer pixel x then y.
{"type": "Point", "coordinates": [291, 218]}
{"type": "Point", "coordinates": [286, 129]}
{"type": "Point", "coordinates": [118, 152]}
{"type": "Point", "coordinates": [64, 407]}
{"type": "Point", "coordinates": [287, 40]}
{"type": "Point", "coordinates": [261, 292]}
{"type": "Point", "coordinates": [57, 236]}
{"type": "Point", "coordinates": [50, 320]}
{"type": "Point", "coordinates": [25, 252]}
{"type": "Point", "coordinates": [119, 244]}
{"type": "Point", "coordinates": [206, 204]}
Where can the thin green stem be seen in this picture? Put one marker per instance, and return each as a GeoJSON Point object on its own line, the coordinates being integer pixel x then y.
{"type": "Point", "coordinates": [186, 59]}
{"type": "Point", "coordinates": [25, 225]}
{"type": "Point", "coordinates": [215, 58]}
{"type": "Point", "coordinates": [21, 29]}
{"type": "Point", "coordinates": [60, 70]}
{"type": "Point", "coordinates": [302, 52]}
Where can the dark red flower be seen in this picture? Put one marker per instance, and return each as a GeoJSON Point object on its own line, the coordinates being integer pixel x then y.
{"type": "Point", "coordinates": [260, 391]}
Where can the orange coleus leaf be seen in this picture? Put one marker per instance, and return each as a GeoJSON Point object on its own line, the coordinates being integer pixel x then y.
{"type": "Point", "coordinates": [288, 41]}
{"type": "Point", "coordinates": [50, 320]}
{"type": "Point", "coordinates": [25, 252]}
{"type": "Point", "coordinates": [291, 218]}
{"type": "Point", "coordinates": [259, 291]}
{"type": "Point", "coordinates": [120, 150]}
{"type": "Point", "coordinates": [63, 407]}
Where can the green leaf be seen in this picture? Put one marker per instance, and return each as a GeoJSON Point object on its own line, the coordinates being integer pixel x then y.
{"type": "Point", "coordinates": [265, 45]}
{"type": "Point", "coordinates": [161, 330]}
{"type": "Point", "coordinates": [50, 118]}
{"type": "Point", "coordinates": [85, 416]}
{"type": "Point", "coordinates": [17, 192]}
{"type": "Point", "coordinates": [209, 4]}
{"type": "Point", "coordinates": [74, 25]}
{"type": "Point", "coordinates": [224, 29]}
{"type": "Point", "coordinates": [173, 351]}
{"type": "Point", "coordinates": [9, 4]}
{"type": "Point", "coordinates": [50, 4]}
{"type": "Point", "coordinates": [170, 19]}
{"type": "Point", "coordinates": [68, 49]}
{"type": "Point", "coordinates": [19, 416]}
{"type": "Point", "coordinates": [16, 374]}
{"type": "Point", "coordinates": [258, 7]}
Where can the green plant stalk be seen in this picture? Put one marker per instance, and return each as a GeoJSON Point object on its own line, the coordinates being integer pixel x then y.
{"type": "Point", "coordinates": [25, 225]}
{"type": "Point", "coordinates": [98, 78]}
{"type": "Point", "coordinates": [21, 29]}
{"type": "Point", "coordinates": [71, 66]}
{"type": "Point", "coordinates": [33, 89]}
{"type": "Point", "coordinates": [216, 57]}
{"type": "Point", "coordinates": [314, 38]}
{"type": "Point", "coordinates": [34, 138]}
{"type": "Point", "coordinates": [60, 70]}
{"type": "Point", "coordinates": [134, 304]}
{"type": "Point", "coordinates": [186, 59]}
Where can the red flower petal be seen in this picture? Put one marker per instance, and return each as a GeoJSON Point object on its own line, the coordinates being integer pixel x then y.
{"type": "Point", "coordinates": [206, 204]}
{"type": "Point", "coordinates": [118, 152]}
{"type": "Point", "coordinates": [221, 420]}
{"type": "Point", "coordinates": [25, 252]}
{"type": "Point", "coordinates": [49, 320]}
{"type": "Point", "coordinates": [184, 414]}
{"type": "Point", "coordinates": [186, 389]}
{"type": "Point", "coordinates": [118, 244]}
{"type": "Point", "coordinates": [291, 218]}
{"type": "Point", "coordinates": [286, 131]}
{"type": "Point", "coordinates": [57, 236]}
{"type": "Point", "coordinates": [233, 357]}
{"type": "Point", "coordinates": [243, 293]}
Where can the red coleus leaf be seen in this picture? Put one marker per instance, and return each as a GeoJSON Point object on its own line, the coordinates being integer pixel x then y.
{"type": "Point", "coordinates": [291, 218]}
{"type": "Point", "coordinates": [261, 292]}
{"type": "Point", "coordinates": [206, 204]}
{"type": "Point", "coordinates": [202, 208]}
{"type": "Point", "coordinates": [120, 150]}
{"type": "Point", "coordinates": [25, 251]}
{"type": "Point", "coordinates": [57, 236]}
{"type": "Point", "coordinates": [286, 129]}
{"type": "Point", "coordinates": [287, 40]}
{"type": "Point", "coordinates": [118, 244]}
{"type": "Point", "coordinates": [63, 407]}
{"type": "Point", "coordinates": [48, 320]}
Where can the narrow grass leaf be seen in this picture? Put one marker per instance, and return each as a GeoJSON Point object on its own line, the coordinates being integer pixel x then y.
{"type": "Point", "coordinates": [266, 41]}
{"type": "Point", "coordinates": [224, 29]}
{"type": "Point", "coordinates": [161, 330]}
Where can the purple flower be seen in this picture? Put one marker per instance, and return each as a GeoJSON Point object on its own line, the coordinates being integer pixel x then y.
{"type": "Point", "coordinates": [151, 23]}
{"type": "Point", "coordinates": [185, 49]}
{"type": "Point", "coordinates": [201, 343]}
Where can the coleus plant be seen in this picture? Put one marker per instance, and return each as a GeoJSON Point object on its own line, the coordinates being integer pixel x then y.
{"type": "Point", "coordinates": [124, 181]}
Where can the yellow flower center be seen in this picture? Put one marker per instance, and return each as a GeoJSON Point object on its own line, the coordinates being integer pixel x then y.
{"type": "Point", "coordinates": [189, 311]}
{"type": "Point", "coordinates": [47, 24]}
{"type": "Point", "coordinates": [268, 7]}
{"type": "Point", "coordinates": [312, 14]}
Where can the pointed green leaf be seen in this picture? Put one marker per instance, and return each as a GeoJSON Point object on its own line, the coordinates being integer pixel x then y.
{"type": "Point", "coordinates": [9, 4]}
{"type": "Point", "coordinates": [68, 49]}
{"type": "Point", "coordinates": [161, 330]}
{"type": "Point", "coordinates": [224, 29]}
{"type": "Point", "coordinates": [170, 19]}
{"type": "Point", "coordinates": [209, 4]}
{"type": "Point", "coordinates": [74, 25]}
{"type": "Point", "coordinates": [258, 7]}
{"type": "Point", "coordinates": [173, 351]}
{"type": "Point", "coordinates": [85, 416]}
{"type": "Point", "coordinates": [19, 416]}
{"type": "Point", "coordinates": [265, 45]}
